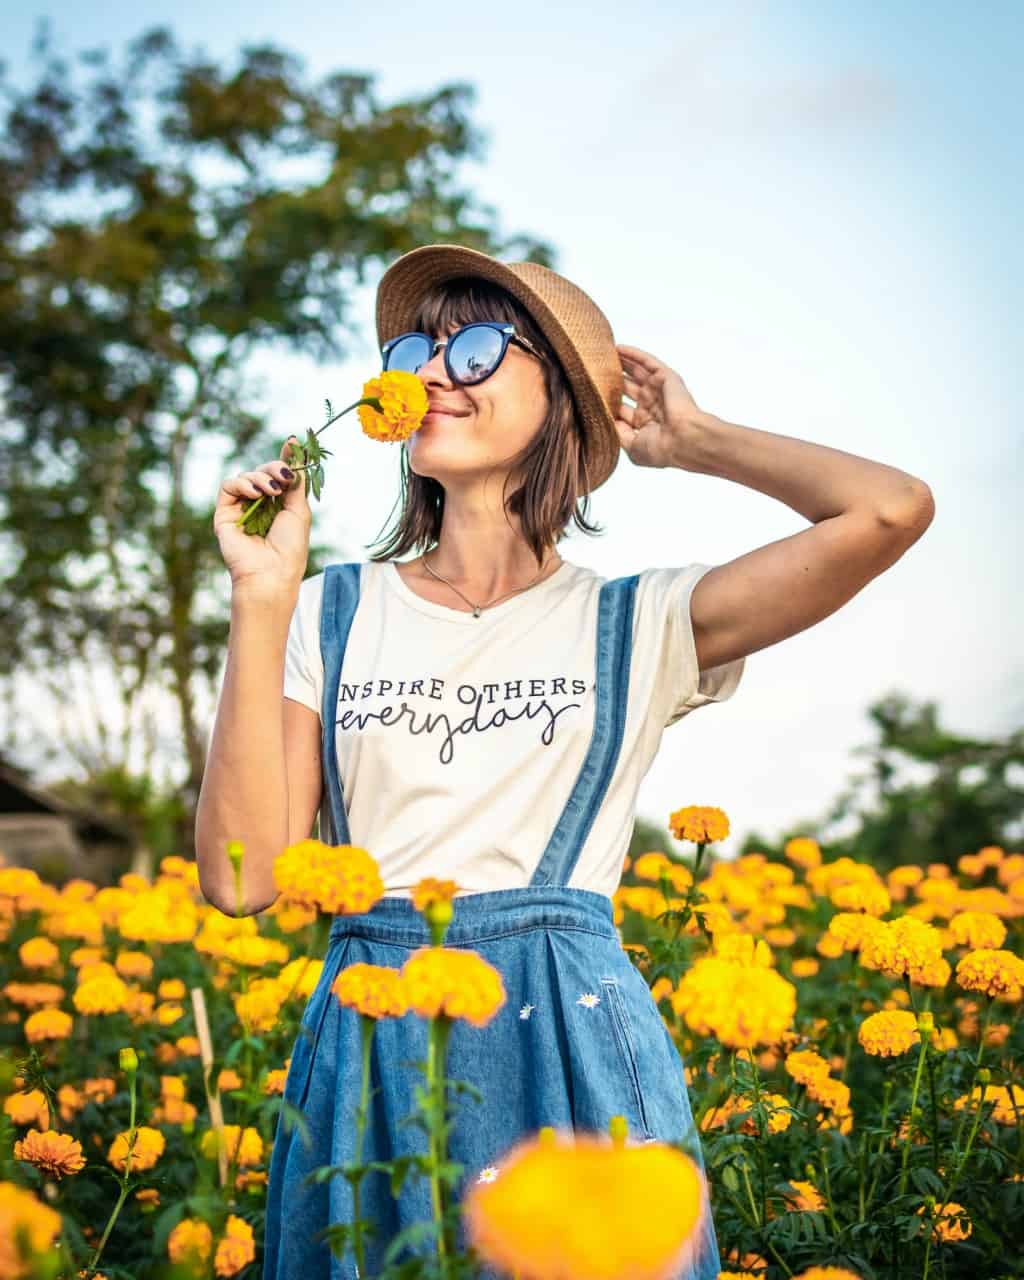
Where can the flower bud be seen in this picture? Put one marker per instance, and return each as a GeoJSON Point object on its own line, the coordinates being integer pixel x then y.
{"type": "Point", "coordinates": [618, 1129]}
{"type": "Point", "coordinates": [926, 1023]}
{"type": "Point", "coordinates": [546, 1136]}
{"type": "Point", "coordinates": [128, 1060]}
{"type": "Point", "coordinates": [236, 851]}
{"type": "Point", "coordinates": [984, 1076]}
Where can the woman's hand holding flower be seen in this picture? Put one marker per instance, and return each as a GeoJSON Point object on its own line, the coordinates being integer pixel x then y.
{"type": "Point", "coordinates": [662, 428]}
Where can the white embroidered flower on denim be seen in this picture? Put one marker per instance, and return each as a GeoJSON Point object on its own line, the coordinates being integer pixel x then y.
{"type": "Point", "coordinates": [588, 999]}
{"type": "Point", "coordinates": [488, 1174]}
{"type": "Point", "coordinates": [526, 1010]}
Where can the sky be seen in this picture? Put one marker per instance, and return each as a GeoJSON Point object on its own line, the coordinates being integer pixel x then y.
{"type": "Point", "coordinates": [811, 213]}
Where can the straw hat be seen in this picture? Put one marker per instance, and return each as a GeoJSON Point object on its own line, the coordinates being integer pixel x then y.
{"type": "Point", "coordinates": [572, 322]}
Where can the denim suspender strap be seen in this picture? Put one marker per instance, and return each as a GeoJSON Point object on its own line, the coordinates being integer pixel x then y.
{"type": "Point", "coordinates": [337, 609]}
{"type": "Point", "coordinates": [614, 650]}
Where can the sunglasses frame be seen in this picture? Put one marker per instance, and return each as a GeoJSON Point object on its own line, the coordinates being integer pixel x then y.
{"type": "Point", "coordinates": [506, 330]}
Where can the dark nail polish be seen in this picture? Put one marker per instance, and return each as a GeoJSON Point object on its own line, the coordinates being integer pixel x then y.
{"type": "Point", "coordinates": [287, 472]}
{"type": "Point", "coordinates": [274, 485]}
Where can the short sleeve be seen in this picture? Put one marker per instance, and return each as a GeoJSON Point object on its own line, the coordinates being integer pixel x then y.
{"type": "Point", "coordinates": [664, 650]}
{"type": "Point", "coordinates": [303, 665]}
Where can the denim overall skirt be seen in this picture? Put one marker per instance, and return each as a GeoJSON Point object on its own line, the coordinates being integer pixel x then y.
{"type": "Point", "coordinates": [579, 1039]}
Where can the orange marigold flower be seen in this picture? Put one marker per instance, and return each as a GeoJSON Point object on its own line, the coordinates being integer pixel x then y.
{"type": "Point", "coordinates": [867, 895]}
{"type": "Point", "coordinates": [133, 964]}
{"type": "Point", "coordinates": [804, 967]}
{"type": "Point", "coordinates": [888, 1034]}
{"type": "Point", "coordinates": [190, 1243]}
{"type": "Point", "coordinates": [519, 1225]}
{"type": "Point", "coordinates": [373, 990]}
{"type": "Point", "coordinates": [441, 981]}
{"type": "Point", "coordinates": [999, 974]}
{"type": "Point", "coordinates": [228, 1079]}
{"type": "Point", "coordinates": [48, 1024]}
{"type": "Point", "coordinates": [247, 1143]}
{"type": "Point", "coordinates": [743, 1005]}
{"type": "Point", "coordinates": [827, 1273]}
{"type": "Point", "coordinates": [906, 946]}
{"type": "Point", "coordinates": [171, 989]}
{"type": "Point", "coordinates": [148, 1197]}
{"type": "Point", "coordinates": [804, 1065]}
{"type": "Point", "coordinates": [703, 824]}
{"type": "Point", "coordinates": [259, 1007]}
{"type": "Point", "coordinates": [804, 1198]}
{"type": "Point", "coordinates": [854, 928]}
{"type": "Point", "coordinates": [403, 404]}
{"type": "Point", "coordinates": [34, 995]}
{"type": "Point", "coordinates": [55, 1154]}
{"type": "Point", "coordinates": [21, 1213]}
{"type": "Point", "coordinates": [237, 1249]}
{"type": "Point", "coordinates": [147, 1149]}
{"type": "Point", "coordinates": [275, 1081]}
{"type": "Point", "coordinates": [38, 953]}
{"type": "Point", "coordinates": [429, 891]}
{"type": "Point", "coordinates": [949, 1223]}
{"type": "Point", "coordinates": [803, 851]}
{"type": "Point", "coordinates": [334, 878]}
{"type": "Point", "coordinates": [1008, 1101]}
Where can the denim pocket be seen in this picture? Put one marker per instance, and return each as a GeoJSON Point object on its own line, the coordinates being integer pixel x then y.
{"type": "Point", "coordinates": [623, 1031]}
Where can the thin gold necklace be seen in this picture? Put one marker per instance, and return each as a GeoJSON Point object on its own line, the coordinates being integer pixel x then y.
{"type": "Point", "coordinates": [477, 607]}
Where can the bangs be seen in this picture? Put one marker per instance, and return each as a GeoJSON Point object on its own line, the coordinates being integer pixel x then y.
{"type": "Point", "coordinates": [468, 299]}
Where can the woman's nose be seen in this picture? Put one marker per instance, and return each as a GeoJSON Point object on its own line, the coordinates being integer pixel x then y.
{"type": "Point", "coordinates": [434, 368]}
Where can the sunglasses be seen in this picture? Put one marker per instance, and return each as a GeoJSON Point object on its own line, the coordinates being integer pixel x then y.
{"type": "Point", "coordinates": [471, 354]}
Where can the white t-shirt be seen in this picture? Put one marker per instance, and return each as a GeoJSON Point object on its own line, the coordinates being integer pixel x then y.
{"type": "Point", "coordinates": [460, 739]}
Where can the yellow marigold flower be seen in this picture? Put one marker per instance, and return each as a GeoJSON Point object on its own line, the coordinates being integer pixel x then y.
{"type": "Point", "coordinates": [977, 929]}
{"type": "Point", "coordinates": [824, 879]}
{"type": "Point", "coordinates": [259, 1007]}
{"type": "Point", "coordinates": [779, 937]}
{"type": "Point", "coordinates": [99, 1088]}
{"type": "Point", "coordinates": [190, 1243]}
{"type": "Point", "coordinates": [804, 1065]}
{"type": "Point", "coordinates": [1011, 869]}
{"type": "Point", "coordinates": [952, 1223]}
{"type": "Point", "coordinates": [100, 995]}
{"type": "Point", "coordinates": [38, 953]}
{"type": "Point", "coordinates": [374, 990]}
{"type": "Point", "coordinates": [886, 1035]}
{"type": "Point", "coordinates": [429, 891]}
{"type": "Point", "coordinates": [291, 916]}
{"type": "Point", "coordinates": [69, 1102]}
{"type": "Point", "coordinates": [237, 1249]}
{"type": "Point", "coordinates": [166, 1015]}
{"type": "Point", "coordinates": [518, 1222]}
{"type": "Point", "coordinates": [741, 948]}
{"type": "Point", "coordinates": [228, 1079]}
{"type": "Point", "coordinates": [254, 952]}
{"type": "Point", "coordinates": [743, 1005]}
{"type": "Point", "coordinates": [250, 1152]}
{"type": "Point", "coordinates": [133, 964]}
{"type": "Point", "coordinates": [171, 989]}
{"type": "Point", "coordinates": [48, 1024]}
{"type": "Point", "coordinates": [147, 1150]}
{"type": "Point", "coordinates": [54, 1154]}
{"type": "Point", "coordinates": [831, 1093]}
{"type": "Point", "coordinates": [829, 946]}
{"type": "Point", "coordinates": [649, 866]}
{"type": "Point", "coordinates": [805, 1198]}
{"type": "Point", "coordinates": [16, 881]}
{"type": "Point", "coordinates": [906, 946]}
{"type": "Point", "coordinates": [159, 915]}
{"type": "Point", "coordinates": [22, 1214]}
{"type": "Point", "coordinates": [82, 956]}
{"type": "Point", "coordinates": [703, 824]}
{"type": "Point", "coordinates": [453, 983]}
{"type": "Point", "coordinates": [852, 928]}
{"type": "Point", "coordinates": [804, 851]}
{"type": "Point", "coordinates": [335, 878]}
{"type": "Point", "coordinates": [403, 404]}
{"type": "Point", "coordinates": [867, 895]}
{"type": "Point", "coordinates": [804, 967]}
{"type": "Point", "coordinates": [188, 1045]}
{"type": "Point", "coordinates": [780, 1116]}
{"type": "Point", "coordinates": [299, 977]}
{"type": "Point", "coordinates": [999, 974]}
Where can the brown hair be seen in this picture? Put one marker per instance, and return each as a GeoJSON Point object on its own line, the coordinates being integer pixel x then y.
{"type": "Point", "coordinates": [554, 463]}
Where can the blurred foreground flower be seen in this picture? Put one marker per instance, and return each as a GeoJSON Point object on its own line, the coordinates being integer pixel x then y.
{"type": "Point", "coordinates": [332, 878]}
{"type": "Point", "coordinates": [586, 1210]}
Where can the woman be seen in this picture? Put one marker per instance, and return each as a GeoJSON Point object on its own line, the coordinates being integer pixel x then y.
{"type": "Point", "coordinates": [486, 712]}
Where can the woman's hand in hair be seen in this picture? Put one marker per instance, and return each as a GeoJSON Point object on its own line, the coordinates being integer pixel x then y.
{"type": "Point", "coordinates": [664, 421]}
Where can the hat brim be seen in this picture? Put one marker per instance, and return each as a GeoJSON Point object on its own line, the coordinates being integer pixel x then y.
{"type": "Point", "coordinates": [401, 290]}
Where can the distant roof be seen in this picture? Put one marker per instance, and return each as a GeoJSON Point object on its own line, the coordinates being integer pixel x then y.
{"type": "Point", "coordinates": [18, 795]}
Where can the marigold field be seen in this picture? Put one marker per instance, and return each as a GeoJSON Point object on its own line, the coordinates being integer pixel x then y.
{"type": "Point", "coordinates": [852, 1044]}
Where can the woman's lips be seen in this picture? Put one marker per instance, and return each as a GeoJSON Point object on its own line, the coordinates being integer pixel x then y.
{"type": "Point", "coordinates": [441, 413]}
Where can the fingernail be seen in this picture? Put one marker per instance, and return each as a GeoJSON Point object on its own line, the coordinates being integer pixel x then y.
{"type": "Point", "coordinates": [274, 484]}
{"type": "Point", "coordinates": [287, 472]}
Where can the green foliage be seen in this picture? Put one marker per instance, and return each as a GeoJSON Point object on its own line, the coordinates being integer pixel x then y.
{"type": "Point", "coordinates": [134, 288]}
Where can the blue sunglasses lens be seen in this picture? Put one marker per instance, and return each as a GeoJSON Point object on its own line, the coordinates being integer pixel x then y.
{"type": "Point", "coordinates": [473, 353]}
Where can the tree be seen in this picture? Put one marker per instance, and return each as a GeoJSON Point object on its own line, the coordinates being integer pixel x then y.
{"type": "Point", "coordinates": [157, 226]}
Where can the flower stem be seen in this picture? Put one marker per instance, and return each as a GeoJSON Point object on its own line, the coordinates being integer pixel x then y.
{"type": "Point", "coordinates": [910, 1117]}
{"type": "Point", "coordinates": [132, 1132]}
